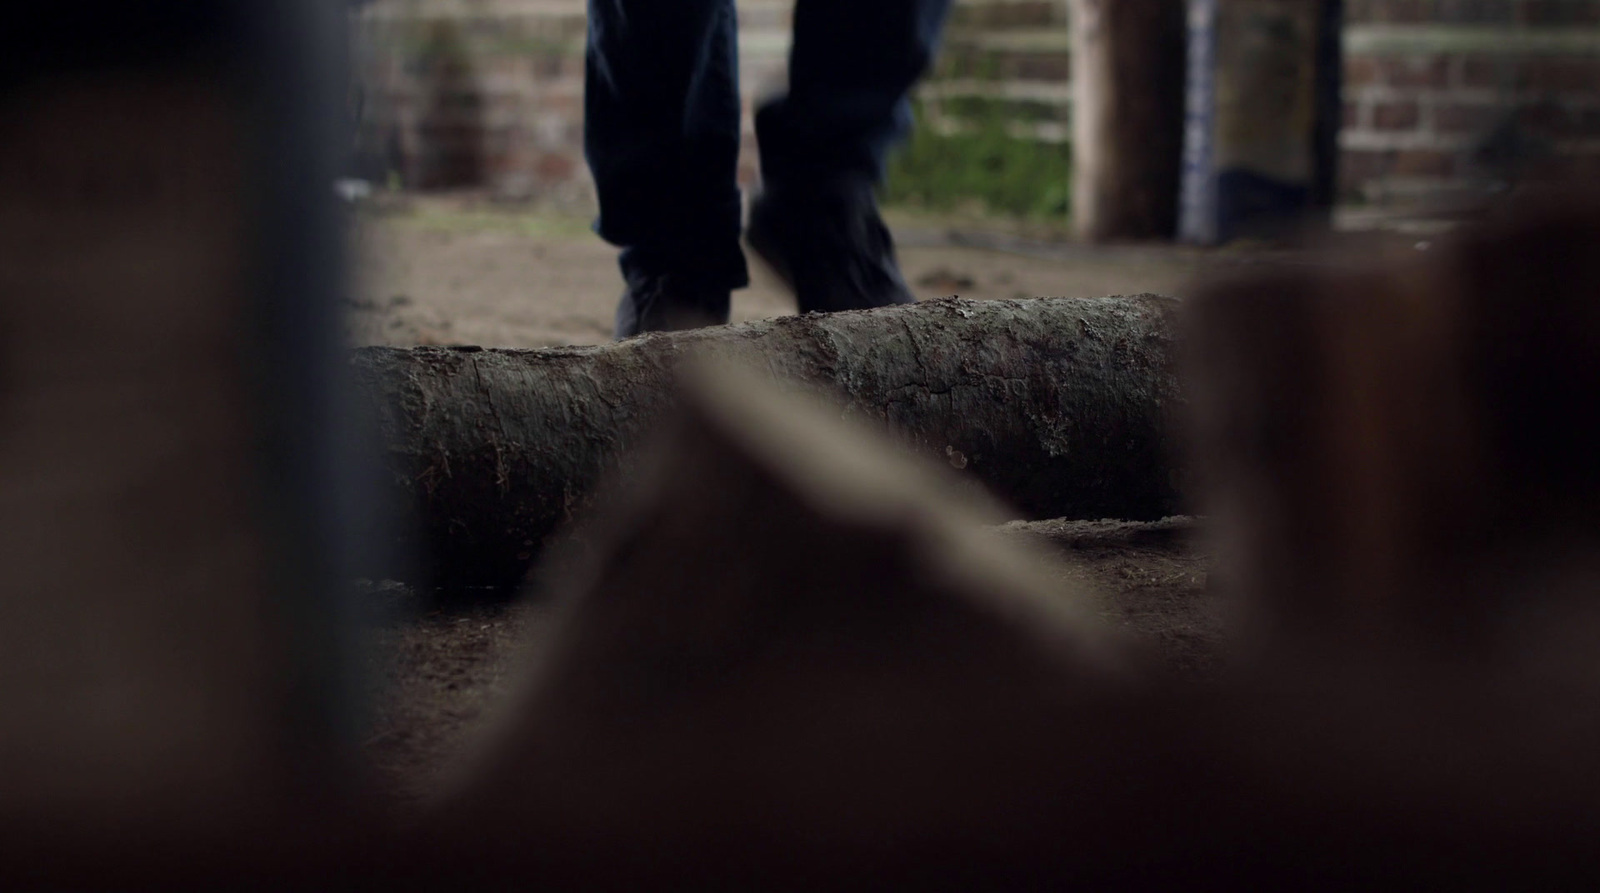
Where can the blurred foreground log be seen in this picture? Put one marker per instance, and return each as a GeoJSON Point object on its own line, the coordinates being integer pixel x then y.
{"type": "Point", "coordinates": [788, 659]}
{"type": "Point", "coordinates": [1056, 406]}
{"type": "Point", "coordinates": [791, 657]}
{"type": "Point", "coordinates": [1403, 454]}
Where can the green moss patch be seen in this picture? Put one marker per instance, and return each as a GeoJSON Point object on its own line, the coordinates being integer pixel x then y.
{"type": "Point", "coordinates": [984, 162]}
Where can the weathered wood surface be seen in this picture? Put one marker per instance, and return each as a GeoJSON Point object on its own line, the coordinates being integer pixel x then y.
{"type": "Point", "coordinates": [1128, 117]}
{"type": "Point", "coordinates": [1056, 406]}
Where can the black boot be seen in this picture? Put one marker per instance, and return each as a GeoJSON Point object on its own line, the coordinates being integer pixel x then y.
{"type": "Point", "coordinates": [669, 302]}
{"type": "Point", "coordinates": [829, 246]}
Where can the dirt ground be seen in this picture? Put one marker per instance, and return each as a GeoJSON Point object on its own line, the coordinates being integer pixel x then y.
{"type": "Point", "coordinates": [451, 270]}
{"type": "Point", "coordinates": [441, 672]}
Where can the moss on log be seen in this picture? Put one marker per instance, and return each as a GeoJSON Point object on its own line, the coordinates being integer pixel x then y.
{"type": "Point", "coordinates": [1057, 406]}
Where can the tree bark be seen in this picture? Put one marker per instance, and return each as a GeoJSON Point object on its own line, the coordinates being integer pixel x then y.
{"type": "Point", "coordinates": [1128, 115]}
{"type": "Point", "coordinates": [1056, 406]}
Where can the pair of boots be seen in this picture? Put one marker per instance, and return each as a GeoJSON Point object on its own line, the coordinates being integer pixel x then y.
{"type": "Point", "coordinates": [663, 133]}
{"type": "Point", "coordinates": [830, 247]}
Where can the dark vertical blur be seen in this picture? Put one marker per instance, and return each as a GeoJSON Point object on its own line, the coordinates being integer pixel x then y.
{"type": "Point", "coordinates": [1330, 107]}
{"type": "Point", "coordinates": [295, 73]}
{"type": "Point", "coordinates": [273, 74]}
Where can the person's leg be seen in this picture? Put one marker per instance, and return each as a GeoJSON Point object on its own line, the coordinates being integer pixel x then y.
{"type": "Point", "coordinates": [824, 147]}
{"type": "Point", "coordinates": [661, 135]}
{"type": "Point", "coordinates": [850, 76]}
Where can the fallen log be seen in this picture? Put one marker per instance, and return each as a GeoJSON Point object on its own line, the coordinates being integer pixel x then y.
{"type": "Point", "coordinates": [1056, 406]}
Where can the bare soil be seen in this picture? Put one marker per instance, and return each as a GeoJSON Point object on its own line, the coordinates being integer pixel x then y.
{"type": "Point", "coordinates": [441, 671]}
{"type": "Point", "coordinates": [451, 270]}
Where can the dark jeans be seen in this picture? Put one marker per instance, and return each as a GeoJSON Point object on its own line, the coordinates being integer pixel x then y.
{"type": "Point", "coordinates": [662, 117]}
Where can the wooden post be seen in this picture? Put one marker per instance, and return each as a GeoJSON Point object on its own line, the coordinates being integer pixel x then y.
{"type": "Point", "coordinates": [1127, 114]}
{"type": "Point", "coordinates": [1263, 117]}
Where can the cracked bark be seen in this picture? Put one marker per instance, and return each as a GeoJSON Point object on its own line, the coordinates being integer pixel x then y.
{"type": "Point", "coordinates": [1056, 406]}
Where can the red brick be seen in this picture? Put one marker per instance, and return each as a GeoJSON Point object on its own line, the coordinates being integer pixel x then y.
{"type": "Point", "coordinates": [1561, 121]}
{"type": "Point", "coordinates": [1424, 163]}
{"type": "Point", "coordinates": [1362, 71]}
{"type": "Point", "coordinates": [504, 106]}
{"type": "Point", "coordinates": [1475, 12]}
{"type": "Point", "coordinates": [1486, 72]}
{"type": "Point", "coordinates": [1404, 11]}
{"type": "Point", "coordinates": [1357, 166]}
{"type": "Point", "coordinates": [561, 103]}
{"type": "Point", "coordinates": [1562, 75]}
{"type": "Point", "coordinates": [1359, 10]}
{"type": "Point", "coordinates": [1417, 71]}
{"type": "Point", "coordinates": [451, 133]}
{"type": "Point", "coordinates": [555, 167]}
{"type": "Point", "coordinates": [1396, 116]}
{"type": "Point", "coordinates": [1040, 67]}
{"type": "Point", "coordinates": [1352, 115]}
{"type": "Point", "coordinates": [1559, 12]}
{"type": "Point", "coordinates": [1460, 118]}
{"type": "Point", "coordinates": [1012, 14]}
{"type": "Point", "coordinates": [506, 164]}
{"type": "Point", "coordinates": [547, 67]}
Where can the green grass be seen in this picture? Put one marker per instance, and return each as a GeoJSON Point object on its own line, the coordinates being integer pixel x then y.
{"type": "Point", "coordinates": [984, 165]}
{"type": "Point", "coordinates": [440, 216]}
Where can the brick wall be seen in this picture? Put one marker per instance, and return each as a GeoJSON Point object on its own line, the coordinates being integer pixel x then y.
{"type": "Point", "coordinates": [1006, 57]}
{"type": "Point", "coordinates": [1442, 96]}
{"type": "Point", "coordinates": [490, 92]}
{"type": "Point", "coordinates": [1450, 97]}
